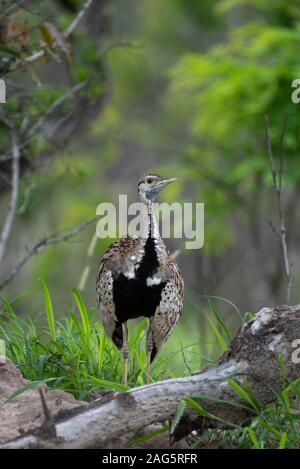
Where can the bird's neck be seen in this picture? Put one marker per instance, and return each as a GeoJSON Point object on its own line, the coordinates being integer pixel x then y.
{"type": "Point", "coordinates": [150, 250]}
{"type": "Point", "coordinates": [152, 242]}
{"type": "Point", "coordinates": [150, 223]}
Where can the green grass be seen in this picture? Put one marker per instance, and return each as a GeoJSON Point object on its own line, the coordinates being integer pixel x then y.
{"type": "Point", "coordinates": [273, 426]}
{"type": "Point", "coordinates": [74, 354]}
{"type": "Point", "coordinates": [276, 425]}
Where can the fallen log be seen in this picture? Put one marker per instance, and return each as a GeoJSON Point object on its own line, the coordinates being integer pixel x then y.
{"type": "Point", "coordinates": [253, 354]}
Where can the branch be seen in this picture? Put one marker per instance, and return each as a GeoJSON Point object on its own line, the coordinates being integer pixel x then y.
{"type": "Point", "coordinates": [78, 18]}
{"type": "Point", "coordinates": [277, 183]}
{"type": "Point", "coordinates": [8, 223]}
{"type": "Point", "coordinates": [54, 106]}
{"type": "Point", "coordinates": [40, 53]}
{"type": "Point", "coordinates": [40, 245]}
{"type": "Point", "coordinates": [254, 353]}
{"type": "Point", "coordinates": [41, 120]}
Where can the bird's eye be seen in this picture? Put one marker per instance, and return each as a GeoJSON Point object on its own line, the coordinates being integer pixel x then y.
{"type": "Point", "coordinates": [149, 181]}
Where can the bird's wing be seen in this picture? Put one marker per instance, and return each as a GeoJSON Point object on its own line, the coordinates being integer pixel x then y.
{"type": "Point", "coordinates": [169, 309]}
{"type": "Point", "coordinates": [112, 263]}
{"type": "Point", "coordinates": [105, 300]}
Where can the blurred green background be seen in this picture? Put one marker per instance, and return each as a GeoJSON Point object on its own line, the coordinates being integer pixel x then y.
{"type": "Point", "coordinates": [179, 87]}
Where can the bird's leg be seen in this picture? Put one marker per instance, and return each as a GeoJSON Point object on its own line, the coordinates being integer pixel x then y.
{"type": "Point", "coordinates": [149, 347]}
{"type": "Point", "coordinates": [125, 350]}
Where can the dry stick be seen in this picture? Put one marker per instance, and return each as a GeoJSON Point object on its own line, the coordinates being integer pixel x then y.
{"type": "Point", "coordinates": [40, 245]}
{"type": "Point", "coordinates": [54, 106]}
{"type": "Point", "coordinates": [277, 182]}
{"type": "Point", "coordinates": [78, 18]}
{"type": "Point", "coordinates": [48, 426]}
{"type": "Point", "coordinates": [8, 223]}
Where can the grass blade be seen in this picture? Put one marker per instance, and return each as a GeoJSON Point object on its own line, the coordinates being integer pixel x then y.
{"type": "Point", "coordinates": [102, 344]}
{"type": "Point", "coordinates": [253, 438]}
{"type": "Point", "coordinates": [224, 328]}
{"type": "Point", "coordinates": [179, 413]}
{"type": "Point", "coordinates": [84, 316]}
{"type": "Point", "coordinates": [282, 441]}
{"type": "Point", "coordinates": [242, 393]}
{"type": "Point", "coordinates": [49, 311]}
{"type": "Point", "coordinates": [198, 408]}
{"type": "Point", "coordinates": [217, 333]}
{"type": "Point", "coordinates": [146, 437]}
{"type": "Point", "coordinates": [25, 388]}
{"type": "Point", "coordinates": [106, 384]}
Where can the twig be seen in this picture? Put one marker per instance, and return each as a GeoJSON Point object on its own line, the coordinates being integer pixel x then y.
{"type": "Point", "coordinates": [39, 123]}
{"type": "Point", "coordinates": [6, 230]}
{"type": "Point", "coordinates": [40, 245]}
{"type": "Point", "coordinates": [282, 150]}
{"type": "Point", "coordinates": [55, 105]}
{"type": "Point", "coordinates": [185, 361]}
{"type": "Point", "coordinates": [277, 182]}
{"type": "Point", "coordinates": [40, 53]}
{"type": "Point", "coordinates": [78, 18]}
{"type": "Point", "coordinates": [274, 230]}
{"type": "Point", "coordinates": [48, 427]}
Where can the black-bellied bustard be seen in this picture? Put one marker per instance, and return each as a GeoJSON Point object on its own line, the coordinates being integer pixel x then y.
{"type": "Point", "coordinates": [138, 277]}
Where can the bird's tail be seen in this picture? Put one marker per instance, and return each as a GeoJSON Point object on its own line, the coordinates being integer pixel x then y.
{"type": "Point", "coordinates": [117, 336]}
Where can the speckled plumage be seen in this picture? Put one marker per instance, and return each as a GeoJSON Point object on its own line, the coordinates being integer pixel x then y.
{"type": "Point", "coordinates": [138, 277]}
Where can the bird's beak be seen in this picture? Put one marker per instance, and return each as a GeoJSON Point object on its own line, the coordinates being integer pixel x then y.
{"type": "Point", "coordinates": [171, 180]}
{"type": "Point", "coordinates": [163, 183]}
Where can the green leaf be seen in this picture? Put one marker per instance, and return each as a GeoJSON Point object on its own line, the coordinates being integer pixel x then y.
{"type": "Point", "coordinates": [109, 384]}
{"type": "Point", "coordinates": [148, 436]}
{"type": "Point", "coordinates": [248, 316]}
{"type": "Point", "coordinates": [49, 311]}
{"type": "Point", "coordinates": [220, 321]}
{"type": "Point", "coordinates": [198, 408]}
{"type": "Point", "coordinates": [286, 399]}
{"type": "Point", "coordinates": [282, 440]}
{"type": "Point", "coordinates": [217, 333]}
{"type": "Point", "coordinates": [253, 438]}
{"type": "Point", "coordinates": [207, 397]}
{"type": "Point", "coordinates": [179, 413]}
{"type": "Point", "coordinates": [41, 365]}
{"type": "Point", "coordinates": [25, 388]}
{"type": "Point", "coordinates": [84, 316]}
{"type": "Point", "coordinates": [270, 428]}
{"type": "Point", "coordinates": [242, 393]}
{"type": "Point", "coordinates": [282, 367]}
{"type": "Point", "coordinates": [252, 396]}
{"type": "Point", "coordinates": [102, 344]}
{"type": "Point", "coordinates": [8, 307]}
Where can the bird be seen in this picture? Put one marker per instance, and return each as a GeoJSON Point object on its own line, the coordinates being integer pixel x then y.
{"type": "Point", "coordinates": [137, 277]}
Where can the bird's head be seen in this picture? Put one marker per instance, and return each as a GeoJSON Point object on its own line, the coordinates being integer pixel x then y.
{"type": "Point", "coordinates": [151, 185]}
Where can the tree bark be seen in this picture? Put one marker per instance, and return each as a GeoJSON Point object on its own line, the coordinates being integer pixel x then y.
{"type": "Point", "coordinates": [253, 355]}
